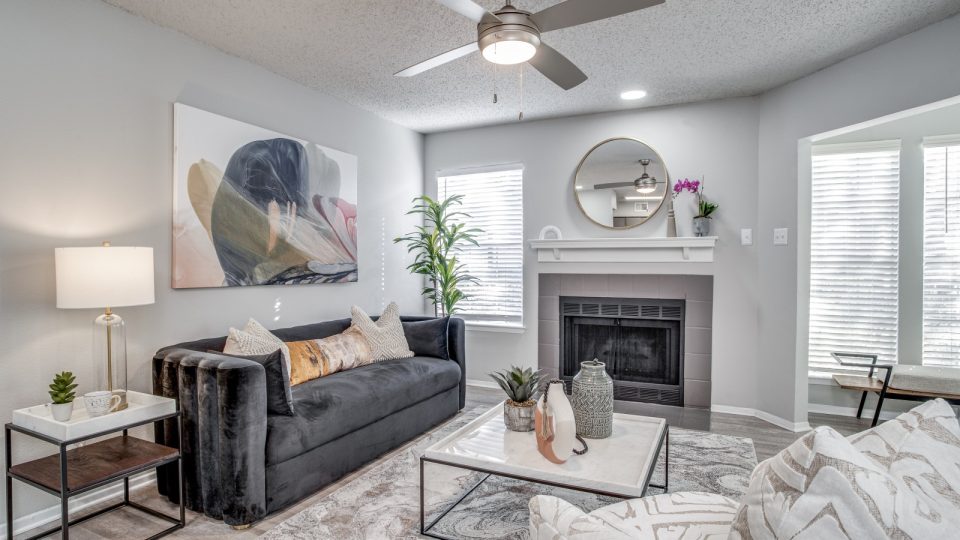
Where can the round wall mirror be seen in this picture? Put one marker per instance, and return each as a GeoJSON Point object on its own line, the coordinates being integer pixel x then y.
{"type": "Point", "coordinates": [621, 183]}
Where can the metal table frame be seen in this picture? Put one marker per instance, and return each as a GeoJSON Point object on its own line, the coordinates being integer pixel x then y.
{"type": "Point", "coordinates": [663, 445]}
{"type": "Point", "coordinates": [65, 493]}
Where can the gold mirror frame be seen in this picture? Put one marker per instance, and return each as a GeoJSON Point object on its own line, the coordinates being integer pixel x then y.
{"type": "Point", "coordinates": [576, 194]}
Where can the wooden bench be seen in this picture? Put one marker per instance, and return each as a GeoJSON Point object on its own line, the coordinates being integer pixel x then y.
{"type": "Point", "coordinates": [870, 384]}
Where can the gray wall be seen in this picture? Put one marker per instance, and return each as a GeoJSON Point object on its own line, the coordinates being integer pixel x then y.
{"type": "Point", "coordinates": [910, 131]}
{"type": "Point", "coordinates": [917, 69]}
{"type": "Point", "coordinates": [717, 139]}
{"type": "Point", "coordinates": [86, 155]}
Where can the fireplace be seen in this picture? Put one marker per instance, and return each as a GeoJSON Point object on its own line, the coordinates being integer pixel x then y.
{"type": "Point", "coordinates": [640, 341]}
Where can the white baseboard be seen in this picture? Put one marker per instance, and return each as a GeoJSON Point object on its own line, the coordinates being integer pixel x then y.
{"type": "Point", "coordinates": [849, 411]}
{"type": "Point", "coordinates": [51, 514]}
{"type": "Point", "coordinates": [795, 427]}
{"type": "Point", "coordinates": [483, 384]}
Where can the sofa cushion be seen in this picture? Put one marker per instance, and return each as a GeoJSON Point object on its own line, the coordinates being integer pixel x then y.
{"type": "Point", "coordinates": [385, 335]}
{"type": "Point", "coordinates": [331, 406]}
{"type": "Point", "coordinates": [312, 331]}
{"type": "Point", "coordinates": [926, 379]}
{"type": "Point", "coordinates": [429, 337]}
{"type": "Point", "coordinates": [313, 358]}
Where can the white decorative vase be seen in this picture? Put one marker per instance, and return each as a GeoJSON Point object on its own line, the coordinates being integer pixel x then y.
{"type": "Point", "coordinates": [61, 411]}
{"type": "Point", "coordinates": [684, 209]}
{"type": "Point", "coordinates": [555, 424]}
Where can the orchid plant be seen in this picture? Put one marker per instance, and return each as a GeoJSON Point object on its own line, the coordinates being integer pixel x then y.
{"type": "Point", "coordinates": [704, 207]}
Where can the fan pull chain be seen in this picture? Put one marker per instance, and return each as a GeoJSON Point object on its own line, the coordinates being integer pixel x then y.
{"type": "Point", "coordinates": [495, 72]}
{"type": "Point", "coordinates": [521, 93]}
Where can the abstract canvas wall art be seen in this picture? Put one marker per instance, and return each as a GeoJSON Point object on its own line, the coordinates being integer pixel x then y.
{"type": "Point", "coordinates": [254, 207]}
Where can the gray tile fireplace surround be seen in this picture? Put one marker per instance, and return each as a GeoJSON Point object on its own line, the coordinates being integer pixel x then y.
{"type": "Point", "coordinates": [697, 291]}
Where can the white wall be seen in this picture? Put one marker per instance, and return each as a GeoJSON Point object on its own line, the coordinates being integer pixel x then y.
{"type": "Point", "coordinates": [917, 69]}
{"type": "Point", "coordinates": [86, 144]}
{"type": "Point", "coordinates": [717, 139]}
{"type": "Point", "coordinates": [910, 131]}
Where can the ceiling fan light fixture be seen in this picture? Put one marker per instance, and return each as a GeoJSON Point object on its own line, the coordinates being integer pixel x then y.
{"type": "Point", "coordinates": [509, 47]}
{"type": "Point", "coordinates": [646, 185]}
{"type": "Point", "coordinates": [631, 95]}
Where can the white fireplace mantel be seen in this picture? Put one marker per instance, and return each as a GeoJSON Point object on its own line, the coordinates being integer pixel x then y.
{"type": "Point", "coordinates": [628, 250]}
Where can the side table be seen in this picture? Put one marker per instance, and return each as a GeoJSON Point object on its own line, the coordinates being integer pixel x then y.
{"type": "Point", "coordinates": [78, 470]}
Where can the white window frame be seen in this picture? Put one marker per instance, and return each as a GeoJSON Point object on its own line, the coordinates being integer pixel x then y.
{"type": "Point", "coordinates": [477, 319]}
{"type": "Point", "coordinates": [821, 365]}
{"type": "Point", "coordinates": [941, 271]}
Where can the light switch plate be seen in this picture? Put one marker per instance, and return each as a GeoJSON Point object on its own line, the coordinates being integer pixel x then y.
{"type": "Point", "coordinates": [780, 237]}
{"type": "Point", "coordinates": [746, 237]}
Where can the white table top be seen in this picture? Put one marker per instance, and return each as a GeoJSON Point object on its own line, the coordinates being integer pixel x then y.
{"type": "Point", "coordinates": [617, 465]}
{"type": "Point", "coordinates": [140, 407]}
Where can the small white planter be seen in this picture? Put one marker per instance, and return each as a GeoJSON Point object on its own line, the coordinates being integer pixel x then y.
{"type": "Point", "coordinates": [61, 411]}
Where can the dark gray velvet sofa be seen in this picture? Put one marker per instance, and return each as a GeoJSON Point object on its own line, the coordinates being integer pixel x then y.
{"type": "Point", "coordinates": [241, 463]}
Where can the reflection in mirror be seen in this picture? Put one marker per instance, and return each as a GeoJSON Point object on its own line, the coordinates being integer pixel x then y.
{"type": "Point", "coordinates": [621, 183]}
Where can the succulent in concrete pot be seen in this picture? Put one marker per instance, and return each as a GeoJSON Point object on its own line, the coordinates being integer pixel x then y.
{"type": "Point", "coordinates": [62, 395]}
{"type": "Point", "coordinates": [522, 387]}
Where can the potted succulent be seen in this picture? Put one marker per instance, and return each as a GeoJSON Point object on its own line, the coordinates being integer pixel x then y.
{"type": "Point", "coordinates": [62, 395]}
{"type": "Point", "coordinates": [705, 208]}
{"type": "Point", "coordinates": [522, 387]}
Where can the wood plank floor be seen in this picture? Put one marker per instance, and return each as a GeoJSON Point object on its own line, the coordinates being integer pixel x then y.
{"type": "Point", "coordinates": [767, 438]}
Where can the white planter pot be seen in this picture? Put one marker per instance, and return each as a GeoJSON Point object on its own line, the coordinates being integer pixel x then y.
{"type": "Point", "coordinates": [61, 412]}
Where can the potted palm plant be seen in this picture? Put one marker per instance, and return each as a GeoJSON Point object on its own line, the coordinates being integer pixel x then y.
{"type": "Point", "coordinates": [437, 243]}
{"type": "Point", "coordinates": [62, 395]}
{"type": "Point", "coordinates": [521, 387]}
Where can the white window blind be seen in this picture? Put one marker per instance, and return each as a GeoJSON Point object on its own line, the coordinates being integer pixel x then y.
{"type": "Point", "coordinates": [941, 252]}
{"type": "Point", "coordinates": [854, 252]}
{"type": "Point", "coordinates": [493, 198]}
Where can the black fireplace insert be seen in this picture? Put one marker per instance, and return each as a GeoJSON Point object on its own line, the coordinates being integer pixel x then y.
{"type": "Point", "coordinates": [639, 340]}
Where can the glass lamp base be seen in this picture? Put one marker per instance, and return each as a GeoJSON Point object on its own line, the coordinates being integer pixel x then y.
{"type": "Point", "coordinates": [110, 355]}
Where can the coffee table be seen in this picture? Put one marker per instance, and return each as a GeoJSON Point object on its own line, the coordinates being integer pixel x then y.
{"type": "Point", "coordinates": [618, 466]}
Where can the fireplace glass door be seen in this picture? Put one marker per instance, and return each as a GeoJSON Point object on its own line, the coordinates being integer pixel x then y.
{"type": "Point", "coordinates": [634, 350]}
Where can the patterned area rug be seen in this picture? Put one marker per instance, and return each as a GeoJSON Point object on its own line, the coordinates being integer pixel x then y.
{"type": "Point", "coordinates": [383, 503]}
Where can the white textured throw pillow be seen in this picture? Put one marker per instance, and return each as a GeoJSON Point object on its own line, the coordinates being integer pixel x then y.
{"type": "Point", "coordinates": [255, 339]}
{"type": "Point", "coordinates": [385, 336]}
{"type": "Point", "coordinates": [822, 486]}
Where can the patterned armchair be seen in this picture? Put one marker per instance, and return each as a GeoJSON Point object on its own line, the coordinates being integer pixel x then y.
{"type": "Point", "coordinates": [900, 479]}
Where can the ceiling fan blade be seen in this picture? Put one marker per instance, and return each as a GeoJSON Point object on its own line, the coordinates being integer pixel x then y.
{"type": "Point", "coordinates": [470, 10]}
{"type": "Point", "coordinates": [438, 60]}
{"type": "Point", "coordinates": [612, 185]}
{"type": "Point", "coordinates": [574, 12]}
{"type": "Point", "coordinates": [557, 67]}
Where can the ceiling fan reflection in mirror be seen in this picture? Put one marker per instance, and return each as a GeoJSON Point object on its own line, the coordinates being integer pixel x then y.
{"type": "Point", "coordinates": [513, 36]}
{"type": "Point", "coordinates": [644, 184]}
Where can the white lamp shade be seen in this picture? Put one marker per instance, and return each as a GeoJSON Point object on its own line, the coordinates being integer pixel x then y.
{"type": "Point", "coordinates": [100, 277]}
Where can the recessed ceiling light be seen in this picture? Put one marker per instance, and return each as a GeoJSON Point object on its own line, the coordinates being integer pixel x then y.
{"type": "Point", "coordinates": [633, 94]}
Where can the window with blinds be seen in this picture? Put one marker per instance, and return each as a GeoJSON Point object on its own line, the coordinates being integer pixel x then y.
{"type": "Point", "coordinates": [854, 252]}
{"type": "Point", "coordinates": [493, 200]}
{"type": "Point", "coordinates": [941, 251]}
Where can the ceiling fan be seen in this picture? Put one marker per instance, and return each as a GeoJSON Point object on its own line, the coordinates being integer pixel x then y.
{"type": "Point", "coordinates": [644, 184]}
{"type": "Point", "coordinates": [512, 36]}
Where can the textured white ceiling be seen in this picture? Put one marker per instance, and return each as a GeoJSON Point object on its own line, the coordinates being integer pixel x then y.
{"type": "Point", "coordinates": [681, 51]}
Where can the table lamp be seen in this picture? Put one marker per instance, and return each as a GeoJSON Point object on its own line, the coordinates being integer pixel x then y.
{"type": "Point", "coordinates": [106, 277]}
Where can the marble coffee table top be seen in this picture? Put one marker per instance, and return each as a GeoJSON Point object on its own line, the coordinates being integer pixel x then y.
{"type": "Point", "coordinates": [618, 465]}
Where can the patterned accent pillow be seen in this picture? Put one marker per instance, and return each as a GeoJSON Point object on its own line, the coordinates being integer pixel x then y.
{"type": "Point", "coordinates": [385, 336]}
{"type": "Point", "coordinates": [687, 515]}
{"type": "Point", "coordinates": [316, 358]}
{"type": "Point", "coordinates": [821, 486]}
{"type": "Point", "coordinates": [255, 339]}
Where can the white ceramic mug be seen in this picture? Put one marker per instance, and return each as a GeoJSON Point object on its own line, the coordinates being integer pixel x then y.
{"type": "Point", "coordinates": [100, 402]}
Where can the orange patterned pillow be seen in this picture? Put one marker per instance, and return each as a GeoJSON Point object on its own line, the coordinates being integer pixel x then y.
{"type": "Point", "coordinates": [316, 358]}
